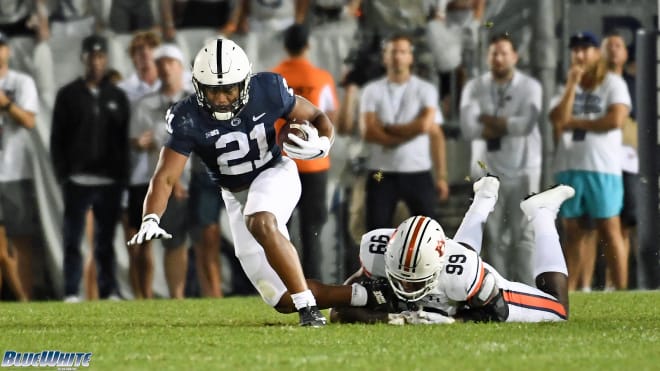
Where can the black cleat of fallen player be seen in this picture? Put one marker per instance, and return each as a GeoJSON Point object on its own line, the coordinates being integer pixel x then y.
{"type": "Point", "coordinates": [312, 317]}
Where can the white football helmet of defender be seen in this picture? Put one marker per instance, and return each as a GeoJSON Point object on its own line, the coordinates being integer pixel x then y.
{"type": "Point", "coordinates": [415, 257]}
{"type": "Point", "coordinates": [221, 62]}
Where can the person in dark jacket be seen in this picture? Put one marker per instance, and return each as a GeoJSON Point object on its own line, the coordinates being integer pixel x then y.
{"type": "Point", "coordinates": [89, 148]}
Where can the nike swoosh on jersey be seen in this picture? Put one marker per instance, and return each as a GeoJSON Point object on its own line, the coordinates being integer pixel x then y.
{"type": "Point", "coordinates": [255, 118]}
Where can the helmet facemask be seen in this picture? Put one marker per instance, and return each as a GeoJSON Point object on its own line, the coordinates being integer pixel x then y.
{"type": "Point", "coordinates": [412, 289]}
{"type": "Point", "coordinates": [222, 112]}
{"type": "Point", "coordinates": [414, 258]}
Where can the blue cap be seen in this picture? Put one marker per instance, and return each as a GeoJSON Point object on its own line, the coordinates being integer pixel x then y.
{"type": "Point", "coordinates": [583, 38]}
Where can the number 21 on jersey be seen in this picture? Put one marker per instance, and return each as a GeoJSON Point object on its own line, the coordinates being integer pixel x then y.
{"type": "Point", "coordinates": [258, 134]}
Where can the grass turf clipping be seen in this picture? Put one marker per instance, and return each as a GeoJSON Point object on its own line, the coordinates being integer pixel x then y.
{"type": "Point", "coordinates": [606, 331]}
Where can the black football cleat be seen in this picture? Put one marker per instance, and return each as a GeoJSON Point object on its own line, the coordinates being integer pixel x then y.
{"type": "Point", "coordinates": [312, 317]}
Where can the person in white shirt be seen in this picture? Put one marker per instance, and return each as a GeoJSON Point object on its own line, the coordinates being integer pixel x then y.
{"type": "Point", "coordinates": [148, 133]}
{"type": "Point", "coordinates": [587, 123]}
{"type": "Point", "coordinates": [615, 53]}
{"type": "Point", "coordinates": [499, 112]}
{"type": "Point", "coordinates": [19, 105]}
{"type": "Point", "coordinates": [142, 82]}
{"type": "Point", "coordinates": [400, 120]}
{"type": "Point", "coordinates": [145, 79]}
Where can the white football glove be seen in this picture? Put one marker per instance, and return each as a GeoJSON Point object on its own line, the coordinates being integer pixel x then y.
{"type": "Point", "coordinates": [313, 147]}
{"type": "Point", "coordinates": [418, 318]}
{"type": "Point", "coordinates": [149, 230]}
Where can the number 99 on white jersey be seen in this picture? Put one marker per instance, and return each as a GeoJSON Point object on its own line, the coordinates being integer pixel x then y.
{"type": "Point", "coordinates": [372, 251]}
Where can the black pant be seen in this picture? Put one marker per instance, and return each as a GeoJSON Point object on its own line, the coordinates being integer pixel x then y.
{"type": "Point", "coordinates": [384, 190]}
{"type": "Point", "coordinates": [313, 213]}
{"type": "Point", "coordinates": [105, 202]}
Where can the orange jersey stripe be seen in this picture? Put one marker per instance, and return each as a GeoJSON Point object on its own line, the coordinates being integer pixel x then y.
{"type": "Point", "coordinates": [534, 302]}
{"type": "Point", "coordinates": [411, 244]}
{"type": "Point", "coordinates": [480, 280]}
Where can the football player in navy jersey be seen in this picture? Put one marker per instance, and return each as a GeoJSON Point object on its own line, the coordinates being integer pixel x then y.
{"type": "Point", "coordinates": [229, 123]}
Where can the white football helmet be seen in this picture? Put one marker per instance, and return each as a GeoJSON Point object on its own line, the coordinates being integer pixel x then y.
{"type": "Point", "coordinates": [221, 62]}
{"type": "Point", "coordinates": [415, 257]}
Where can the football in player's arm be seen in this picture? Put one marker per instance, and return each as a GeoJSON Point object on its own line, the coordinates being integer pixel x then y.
{"type": "Point", "coordinates": [434, 279]}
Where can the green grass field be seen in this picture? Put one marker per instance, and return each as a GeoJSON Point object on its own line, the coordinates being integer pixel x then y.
{"type": "Point", "coordinates": [617, 331]}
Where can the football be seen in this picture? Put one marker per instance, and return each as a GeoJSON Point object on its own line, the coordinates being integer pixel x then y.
{"type": "Point", "coordinates": [291, 127]}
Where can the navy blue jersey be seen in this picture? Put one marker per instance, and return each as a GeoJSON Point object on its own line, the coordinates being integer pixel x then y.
{"type": "Point", "coordinates": [235, 151]}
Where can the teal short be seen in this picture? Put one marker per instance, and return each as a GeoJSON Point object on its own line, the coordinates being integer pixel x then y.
{"type": "Point", "coordinates": [597, 195]}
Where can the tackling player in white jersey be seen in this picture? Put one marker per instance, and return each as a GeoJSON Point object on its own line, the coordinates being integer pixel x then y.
{"type": "Point", "coordinates": [442, 279]}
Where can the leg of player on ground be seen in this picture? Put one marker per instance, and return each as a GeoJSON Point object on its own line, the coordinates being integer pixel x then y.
{"type": "Point", "coordinates": [549, 264]}
{"type": "Point", "coordinates": [471, 230]}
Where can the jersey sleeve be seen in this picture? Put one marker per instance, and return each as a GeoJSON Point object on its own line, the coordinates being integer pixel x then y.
{"type": "Point", "coordinates": [372, 251]}
{"type": "Point", "coordinates": [287, 95]}
{"type": "Point", "coordinates": [178, 123]}
{"type": "Point", "coordinates": [463, 273]}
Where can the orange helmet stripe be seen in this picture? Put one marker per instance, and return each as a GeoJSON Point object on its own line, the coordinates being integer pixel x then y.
{"type": "Point", "coordinates": [407, 265]}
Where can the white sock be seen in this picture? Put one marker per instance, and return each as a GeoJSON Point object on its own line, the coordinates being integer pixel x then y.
{"type": "Point", "coordinates": [548, 256]}
{"type": "Point", "coordinates": [303, 299]}
{"type": "Point", "coordinates": [358, 295]}
{"type": "Point", "coordinates": [471, 230]}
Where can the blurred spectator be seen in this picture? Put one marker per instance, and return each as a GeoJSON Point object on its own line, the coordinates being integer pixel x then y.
{"type": "Point", "coordinates": [148, 133]}
{"type": "Point", "coordinates": [466, 15]}
{"type": "Point", "coordinates": [500, 111]}
{"type": "Point", "coordinates": [259, 16]}
{"type": "Point", "coordinates": [377, 20]}
{"type": "Point", "coordinates": [380, 19]}
{"type": "Point", "coordinates": [137, 85]}
{"type": "Point", "coordinates": [401, 123]}
{"type": "Point", "coordinates": [74, 18]}
{"type": "Point", "coordinates": [317, 86]}
{"type": "Point", "coordinates": [587, 122]}
{"type": "Point", "coordinates": [263, 23]}
{"type": "Point", "coordinates": [453, 39]}
{"type": "Point", "coordinates": [219, 14]}
{"type": "Point", "coordinates": [145, 79]}
{"type": "Point", "coordinates": [91, 289]}
{"type": "Point", "coordinates": [331, 11]}
{"type": "Point", "coordinates": [615, 54]}
{"type": "Point", "coordinates": [129, 15]}
{"type": "Point", "coordinates": [24, 18]}
{"type": "Point", "coordinates": [89, 147]}
{"type": "Point", "coordinates": [19, 105]}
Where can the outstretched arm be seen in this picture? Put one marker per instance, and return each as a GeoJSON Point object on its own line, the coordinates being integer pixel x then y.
{"type": "Point", "coordinates": [168, 171]}
{"type": "Point", "coordinates": [356, 314]}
